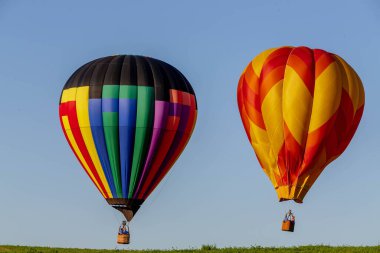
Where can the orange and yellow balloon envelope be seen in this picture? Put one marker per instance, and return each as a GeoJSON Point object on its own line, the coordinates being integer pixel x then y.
{"type": "Point", "coordinates": [300, 108]}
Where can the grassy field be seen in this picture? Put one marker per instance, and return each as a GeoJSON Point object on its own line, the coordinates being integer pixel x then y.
{"type": "Point", "coordinates": [206, 248]}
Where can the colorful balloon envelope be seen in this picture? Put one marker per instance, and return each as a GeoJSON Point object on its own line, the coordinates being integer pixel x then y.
{"type": "Point", "coordinates": [127, 120]}
{"type": "Point", "coordinates": [300, 108]}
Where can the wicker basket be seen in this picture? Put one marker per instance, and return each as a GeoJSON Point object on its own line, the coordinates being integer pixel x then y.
{"type": "Point", "coordinates": [288, 226]}
{"type": "Point", "coordinates": [123, 238]}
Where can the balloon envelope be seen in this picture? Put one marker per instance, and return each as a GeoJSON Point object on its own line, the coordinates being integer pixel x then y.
{"type": "Point", "coordinates": [300, 108]}
{"type": "Point", "coordinates": [127, 119]}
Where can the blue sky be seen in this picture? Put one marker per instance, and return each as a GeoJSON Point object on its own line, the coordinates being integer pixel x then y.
{"type": "Point", "coordinates": [216, 193]}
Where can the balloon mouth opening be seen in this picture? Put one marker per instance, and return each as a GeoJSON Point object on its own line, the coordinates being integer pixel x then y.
{"type": "Point", "coordinates": [128, 207]}
{"type": "Point", "coordinates": [291, 192]}
{"type": "Point", "coordinates": [299, 201]}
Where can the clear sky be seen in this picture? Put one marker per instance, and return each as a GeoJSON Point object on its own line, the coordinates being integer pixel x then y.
{"type": "Point", "coordinates": [216, 193]}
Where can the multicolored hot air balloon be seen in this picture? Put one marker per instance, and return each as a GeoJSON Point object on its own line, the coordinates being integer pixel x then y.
{"type": "Point", "coordinates": [127, 119]}
{"type": "Point", "coordinates": [300, 108]}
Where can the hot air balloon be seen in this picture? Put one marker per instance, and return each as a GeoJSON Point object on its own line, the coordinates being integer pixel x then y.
{"type": "Point", "coordinates": [300, 108]}
{"type": "Point", "coordinates": [127, 120]}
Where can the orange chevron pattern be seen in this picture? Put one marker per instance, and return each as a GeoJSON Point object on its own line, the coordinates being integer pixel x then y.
{"type": "Point", "coordinates": [300, 108]}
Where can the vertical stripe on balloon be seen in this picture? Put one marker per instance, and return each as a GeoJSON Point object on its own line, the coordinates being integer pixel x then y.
{"type": "Point", "coordinates": [110, 114]}
{"type": "Point", "coordinates": [144, 125]}
{"type": "Point", "coordinates": [127, 125]}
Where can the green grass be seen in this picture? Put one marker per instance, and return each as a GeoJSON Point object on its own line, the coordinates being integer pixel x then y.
{"type": "Point", "coordinates": [204, 248]}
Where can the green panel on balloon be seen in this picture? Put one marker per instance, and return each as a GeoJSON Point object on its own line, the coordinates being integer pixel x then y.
{"type": "Point", "coordinates": [128, 91]}
{"type": "Point", "coordinates": [144, 127]}
{"type": "Point", "coordinates": [110, 98]}
{"type": "Point", "coordinates": [111, 134]}
{"type": "Point", "coordinates": [110, 91]}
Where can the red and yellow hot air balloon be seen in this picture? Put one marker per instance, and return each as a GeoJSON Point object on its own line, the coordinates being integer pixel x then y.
{"type": "Point", "coordinates": [300, 108]}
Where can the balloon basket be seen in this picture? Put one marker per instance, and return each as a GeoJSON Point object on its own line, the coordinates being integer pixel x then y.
{"type": "Point", "coordinates": [123, 238]}
{"type": "Point", "coordinates": [288, 226]}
